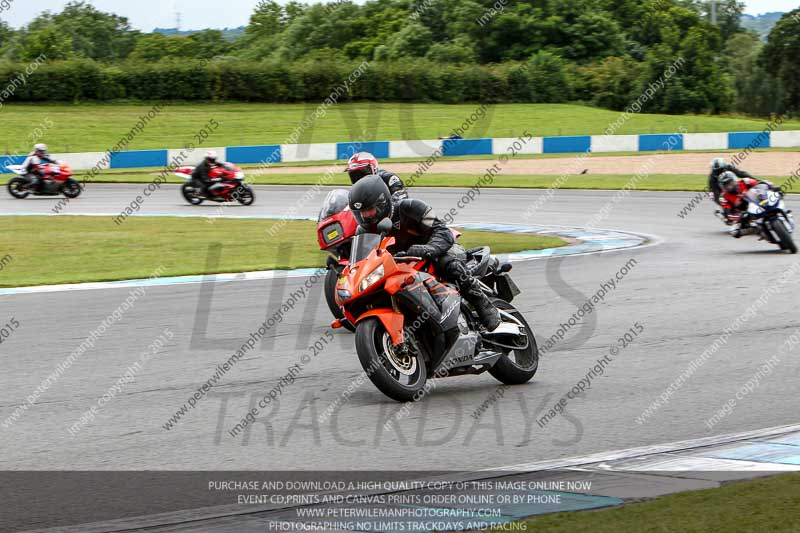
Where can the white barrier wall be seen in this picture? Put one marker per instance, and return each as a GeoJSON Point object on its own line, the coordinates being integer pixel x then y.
{"type": "Point", "coordinates": [195, 156]}
{"type": "Point", "coordinates": [421, 149]}
{"type": "Point", "coordinates": [504, 145]}
{"type": "Point", "coordinates": [705, 141]}
{"type": "Point", "coordinates": [615, 143]}
{"type": "Point", "coordinates": [785, 139]}
{"type": "Point", "coordinates": [85, 160]}
{"type": "Point", "coordinates": [294, 153]}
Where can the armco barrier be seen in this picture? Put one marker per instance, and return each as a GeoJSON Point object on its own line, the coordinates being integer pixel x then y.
{"type": "Point", "coordinates": [423, 149]}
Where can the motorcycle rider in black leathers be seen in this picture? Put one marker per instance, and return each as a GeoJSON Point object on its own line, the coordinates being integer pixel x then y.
{"type": "Point", "coordinates": [200, 173]}
{"type": "Point", "coordinates": [718, 167]}
{"type": "Point", "coordinates": [419, 233]}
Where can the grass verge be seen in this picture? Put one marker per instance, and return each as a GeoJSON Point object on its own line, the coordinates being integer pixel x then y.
{"type": "Point", "coordinates": [74, 249]}
{"type": "Point", "coordinates": [767, 504]}
{"type": "Point", "coordinates": [95, 127]}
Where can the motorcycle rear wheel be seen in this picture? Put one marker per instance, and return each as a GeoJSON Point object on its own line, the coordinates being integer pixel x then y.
{"type": "Point", "coordinates": [401, 378]}
{"type": "Point", "coordinates": [17, 187]}
{"type": "Point", "coordinates": [785, 238]}
{"type": "Point", "coordinates": [525, 363]}
{"type": "Point", "coordinates": [71, 188]}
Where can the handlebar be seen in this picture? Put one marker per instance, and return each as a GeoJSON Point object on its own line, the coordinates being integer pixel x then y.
{"type": "Point", "coordinates": [407, 259]}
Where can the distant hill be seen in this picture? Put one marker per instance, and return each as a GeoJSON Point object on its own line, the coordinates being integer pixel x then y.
{"type": "Point", "coordinates": [230, 34]}
{"type": "Point", "coordinates": [763, 23]}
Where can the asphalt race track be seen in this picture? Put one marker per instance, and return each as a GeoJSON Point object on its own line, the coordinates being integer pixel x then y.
{"type": "Point", "coordinates": [683, 291]}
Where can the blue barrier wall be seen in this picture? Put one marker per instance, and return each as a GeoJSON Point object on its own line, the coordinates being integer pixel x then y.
{"type": "Point", "coordinates": [453, 147]}
{"type": "Point", "coordinates": [380, 149]}
{"type": "Point", "coordinates": [651, 143]}
{"type": "Point", "coordinates": [750, 139]}
{"type": "Point", "coordinates": [254, 154]}
{"type": "Point", "coordinates": [11, 160]}
{"type": "Point", "coordinates": [139, 158]}
{"type": "Point", "coordinates": [564, 145]}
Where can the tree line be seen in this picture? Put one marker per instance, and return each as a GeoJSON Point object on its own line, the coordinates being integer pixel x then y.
{"type": "Point", "coordinates": [602, 52]}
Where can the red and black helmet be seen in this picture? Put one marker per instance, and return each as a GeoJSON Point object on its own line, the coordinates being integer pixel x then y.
{"type": "Point", "coordinates": [360, 165]}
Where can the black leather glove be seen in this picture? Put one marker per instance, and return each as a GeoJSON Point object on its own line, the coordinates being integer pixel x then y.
{"type": "Point", "coordinates": [420, 250]}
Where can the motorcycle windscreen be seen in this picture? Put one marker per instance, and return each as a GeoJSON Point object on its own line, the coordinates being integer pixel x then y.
{"type": "Point", "coordinates": [334, 203]}
{"type": "Point", "coordinates": [363, 245]}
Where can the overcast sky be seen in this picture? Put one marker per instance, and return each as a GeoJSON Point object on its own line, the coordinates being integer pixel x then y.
{"type": "Point", "coordinates": [196, 14]}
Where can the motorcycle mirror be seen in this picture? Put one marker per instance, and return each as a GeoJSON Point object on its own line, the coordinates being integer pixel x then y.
{"type": "Point", "coordinates": [385, 226]}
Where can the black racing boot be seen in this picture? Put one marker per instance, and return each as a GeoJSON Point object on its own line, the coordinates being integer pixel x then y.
{"type": "Point", "coordinates": [487, 313]}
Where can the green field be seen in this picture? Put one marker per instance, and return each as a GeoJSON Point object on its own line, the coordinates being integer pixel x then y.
{"type": "Point", "coordinates": [770, 504]}
{"type": "Point", "coordinates": [97, 127]}
{"type": "Point", "coordinates": [79, 249]}
{"type": "Point", "coordinates": [653, 182]}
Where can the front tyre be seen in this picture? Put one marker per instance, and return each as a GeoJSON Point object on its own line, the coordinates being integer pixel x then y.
{"type": "Point", "coordinates": [245, 195]}
{"type": "Point", "coordinates": [784, 236]}
{"type": "Point", "coordinates": [71, 188]}
{"type": "Point", "coordinates": [18, 188]}
{"type": "Point", "coordinates": [331, 281]}
{"type": "Point", "coordinates": [191, 193]}
{"type": "Point", "coordinates": [518, 366]}
{"type": "Point", "coordinates": [400, 377]}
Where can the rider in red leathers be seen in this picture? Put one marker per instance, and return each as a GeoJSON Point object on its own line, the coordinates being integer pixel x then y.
{"type": "Point", "coordinates": [732, 199]}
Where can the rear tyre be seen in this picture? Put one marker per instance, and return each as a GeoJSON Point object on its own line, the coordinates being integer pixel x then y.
{"type": "Point", "coordinates": [18, 188]}
{"type": "Point", "coordinates": [71, 188]}
{"type": "Point", "coordinates": [784, 237]}
{"type": "Point", "coordinates": [191, 193]}
{"type": "Point", "coordinates": [245, 195]}
{"type": "Point", "coordinates": [401, 378]}
{"type": "Point", "coordinates": [516, 367]}
{"type": "Point", "coordinates": [331, 280]}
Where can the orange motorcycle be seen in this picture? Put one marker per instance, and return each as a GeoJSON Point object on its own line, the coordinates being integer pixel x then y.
{"type": "Point", "coordinates": [411, 326]}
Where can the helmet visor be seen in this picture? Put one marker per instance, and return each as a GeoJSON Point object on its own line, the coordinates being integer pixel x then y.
{"type": "Point", "coordinates": [358, 173]}
{"type": "Point", "coordinates": [367, 216]}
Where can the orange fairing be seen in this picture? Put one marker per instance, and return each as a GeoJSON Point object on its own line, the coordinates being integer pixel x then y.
{"type": "Point", "coordinates": [391, 320]}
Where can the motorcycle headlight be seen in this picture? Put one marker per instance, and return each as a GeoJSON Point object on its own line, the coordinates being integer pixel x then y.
{"type": "Point", "coordinates": [344, 295]}
{"type": "Point", "coordinates": [372, 278]}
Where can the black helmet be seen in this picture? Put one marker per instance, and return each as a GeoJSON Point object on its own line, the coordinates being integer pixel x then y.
{"type": "Point", "coordinates": [728, 181]}
{"type": "Point", "coordinates": [370, 200]}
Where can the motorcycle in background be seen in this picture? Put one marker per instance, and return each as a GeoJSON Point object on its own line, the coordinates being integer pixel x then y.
{"type": "Point", "coordinates": [229, 188]}
{"type": "Point", "coordinates": [57, 180]}
{"type": "Point", "coordinates": [336, 227]}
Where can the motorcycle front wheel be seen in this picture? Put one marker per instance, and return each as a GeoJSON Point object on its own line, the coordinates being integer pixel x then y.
{"type": "Point", "coordinates": [71, 188]}
{"type": "Point", "coordinates": [18, 188]}
{"type": "Point", "coordinates": [245, 195]}
{"type": "Point", "coordinates": [401, 377]}
{"type": "Point", "coordinates": [517, 366]}
{"type": "Point", "coordinates": [191, 193]}
{"type": "Point", "coordinates": [784, 236]}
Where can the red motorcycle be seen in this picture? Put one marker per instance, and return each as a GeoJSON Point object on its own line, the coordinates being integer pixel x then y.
{"type": "Point", "coordinates": [57, 180]}
{"type": "Point", "coordinates": [228, 187]}
{"type": "Point", "coordinates": [336, 227]}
